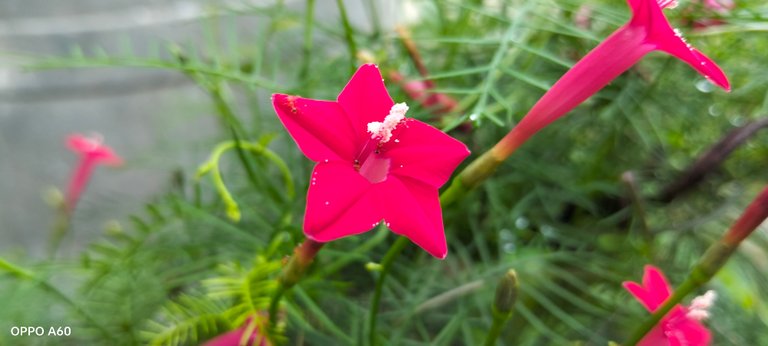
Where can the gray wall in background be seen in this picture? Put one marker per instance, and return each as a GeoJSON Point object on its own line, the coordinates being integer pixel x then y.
{"type": "Point", "coordinates": [156, 120]}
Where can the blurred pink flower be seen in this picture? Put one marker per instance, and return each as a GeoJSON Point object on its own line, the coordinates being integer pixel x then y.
{"type": "Point", "coordinates": [373, 164]}
{"type": "Point", "coordinates": [92, 152]}
{"type": "Point", "coordinates": [648, 30]}
{"type": "Point", "coordinates": [421, 92]}
{"type": "Point", "coordinates": [681, 326]}
{"type": "Point", "coordinates": [234, 337]}
{"type": "Point", "coordinates": [712, 12]}
{"type": "Point", "coordinates": [722, 6]}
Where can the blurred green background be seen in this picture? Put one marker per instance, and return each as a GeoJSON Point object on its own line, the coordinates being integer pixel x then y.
{"type": "Point", "coordinates": [152, 258]}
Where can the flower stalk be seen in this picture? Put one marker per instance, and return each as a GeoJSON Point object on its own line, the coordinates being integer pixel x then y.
{"type": "Point", "coordinates": [386, 264]}
{"type": "Point", "coordinates": [292, 272]}
{"type": "Point", "coordinates": [503, 305]}
{"type": "Point", "coordinates": [710, 263]}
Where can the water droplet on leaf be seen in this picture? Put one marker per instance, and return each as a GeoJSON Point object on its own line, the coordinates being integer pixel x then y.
{"type": "Point", "coordinates": [522, 223]}
{"type": "Point", "coordinates": [705, 86]}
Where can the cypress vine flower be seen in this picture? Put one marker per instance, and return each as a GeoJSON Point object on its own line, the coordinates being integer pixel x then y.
{"type": "Point", "coordinates": [92, 152]}
{"type": "Point", "coordinates": [647, 30]}
{"type": "Point", "coordinates": [372, 163]}
{"type": "Point", "coordinates": [682, 325]}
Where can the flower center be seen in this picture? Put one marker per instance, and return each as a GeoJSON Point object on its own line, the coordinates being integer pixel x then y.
{"type": "Point", "coordinates": [370, 163]}
{"type": "Point", "coordinates": [375, 168]}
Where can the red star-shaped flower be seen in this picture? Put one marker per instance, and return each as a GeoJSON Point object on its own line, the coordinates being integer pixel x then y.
{"type": "Point", "coordinates": [681, 326]}
{"type": "Point", "coordinates": [372, 163]}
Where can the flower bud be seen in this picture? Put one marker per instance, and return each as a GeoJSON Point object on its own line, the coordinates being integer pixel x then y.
{"type": "Point", "coordinates": [506, 293]}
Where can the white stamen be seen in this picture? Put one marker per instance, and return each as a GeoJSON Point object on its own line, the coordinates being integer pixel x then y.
{"type": "Point", "coordinates": [383, 130]}
{"type": "Point", "coordinates": [700, 306]}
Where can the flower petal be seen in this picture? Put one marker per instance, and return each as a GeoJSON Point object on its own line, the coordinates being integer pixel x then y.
{"type": "Point", "coordinates": [690, 332]}
{"type": "Point", "coordinates": [340, 203]}
{"type": "Point", "coordinates": [94, 149]}
{"type": "Point", "coordinates": [700, 62]}
{"type": "Point", "coordinates": [81, 144]}
{"type": "Point", "coordinates": [654, 290]}
{"type": "Point", "coordinates": [655, 337]}
{"type": "Point", "coordinates": [648, 14]}
{"type": "Point", "coordinates": [425, 153]}
{"type": "Point", "coordinates": [413, 210]}
{"type": "Point", "coordinates": [320, 128]}
{"type": "Point", "coordinates": [365, 99]}
{"type": "Point", "coordinates": [657, 286]}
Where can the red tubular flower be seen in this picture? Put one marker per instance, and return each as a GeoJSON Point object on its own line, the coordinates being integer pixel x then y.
{"type": "Point", "coordinates": [681, 326]}
{"type": "Point", "coordinates": [373, 164]}
{"type": "Point", "coordinates": [648, 30]}
{"type": "Point", "coordinates": [92, 152]}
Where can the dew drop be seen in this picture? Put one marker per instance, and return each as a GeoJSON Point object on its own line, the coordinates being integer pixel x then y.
{"type": "Point", "coordinates": [737, 121]}
{"type": "Point", "coordinates": [705, 86]}
{"type": "Point", "coordinates": [522, 223]}
{"type": "Point", "coordinates": [401, 166]}
{"type": "Point", "coordinates": [506, 235]}
{"type": "Point", "coordinates": [714, 111]}
{"type": "Point", "coordinates": [326, 161]}
{"type": "Point", "coordinates": [327, 203]}
{"type": "Point", "coordinates": [473, 117]}
{"type": "Point", "coordinates": [703, 63]}
{"type": "Point", "coordinates": [397, 141]}
{"type": "Point", "coordinates": [548, 231]}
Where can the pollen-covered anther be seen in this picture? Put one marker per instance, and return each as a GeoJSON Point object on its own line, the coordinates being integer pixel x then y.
{"type": "Point", "coordinates": [699, 309]}
{"type": "Point", "coordinates": [383, 130]}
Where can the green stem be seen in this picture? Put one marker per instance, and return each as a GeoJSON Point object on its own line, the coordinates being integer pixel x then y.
{"type": "Point", "coordinates": [628, 178]}
{"type": "Point", "coordinates": [292, 272]}
{"type": "Point", "coordinates": [348, 34]}
{"type": "Point", "coordinates": [221, 148]}
{"type": "Point", "coordinates": [274, 305]}
{"type": "Point", "coordinates": [234, 126]}
{"type": "Point", "coordinates": [212, 166]}
{"type": "Point", "coordinates": [60, 229]}
{"type": "Point", "coordinates": [15, 270]}
{"type": "Point", "coordinates": [374, 16]}
{"type": "Point", "coordinates": [307, 49]}
{"type": "Point", "coordinates": [386, 265]}
{"type": "Point", "coordinates": [493, 334]}
{"type": "Point", "coordinates": [709, 264]}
